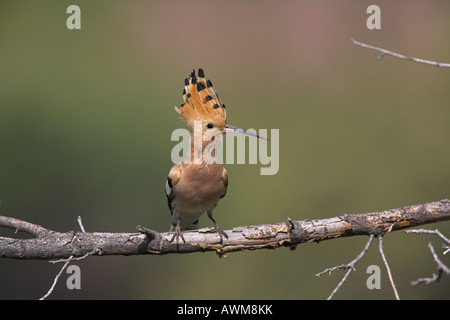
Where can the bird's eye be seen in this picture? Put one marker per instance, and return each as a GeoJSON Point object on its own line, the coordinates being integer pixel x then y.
{"type": "Point", "coordinates": [209, 126]}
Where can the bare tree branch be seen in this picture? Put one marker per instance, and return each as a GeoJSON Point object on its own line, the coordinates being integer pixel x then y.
{"type": "Point", "coordinates": [48, 244]}
{"type": "Point", "coordinates": [350, 267]}
{"type": "Point", "coordinates": [398, 55]}
{"type": "Point", "coordinates": [441, 267]}
{"type": "Point", "coordinates": [383, 257]}
{"type": "Point", "coordinates": [66, 263]}
{"type": "Point", "coordinates": [436, 232]}
{"type": "Point", "coordinates": [69, 246]}
{"type": "Point", "coordinates": [49, 292]}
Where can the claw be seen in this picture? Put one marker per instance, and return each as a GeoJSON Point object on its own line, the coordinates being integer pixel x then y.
{"type": "Point", "coordinates": [221, 233]}
{"type": "Point", "coordinates": [178, 234]}
{"type": "Point", "coordinates": [217, 228]}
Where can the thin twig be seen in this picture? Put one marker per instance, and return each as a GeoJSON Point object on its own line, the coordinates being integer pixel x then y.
{"type": "Point", "coordinates": [49, 292]}
{"type": "Point", "coordinates": [434, 278]}
{"type": "Point", "coordinates": [67, 261]}
{"type": "Point", "coordinates": [426, 231]}
{"type": "Point", "coordinates": [398, 55]}
{"type": "Point", "coordinates": [350, 266]}
{"type": "Point", "coordinates": [383, 257]}
{"type": "Point", "coordinates": [441, 267]}
{"type": "Point", "coordinates": [72, 258]}
{"type": "Point", "coordinates": [24, 226]}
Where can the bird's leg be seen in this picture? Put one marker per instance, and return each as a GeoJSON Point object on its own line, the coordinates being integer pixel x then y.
{"type": "Point", "coordinates": [217, 227]}
{"type": "Point", "coordinates": [178, 233]}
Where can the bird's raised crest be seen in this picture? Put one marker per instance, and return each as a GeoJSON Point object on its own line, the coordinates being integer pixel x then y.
{"type": "Point", "coordinates": [201, 101]}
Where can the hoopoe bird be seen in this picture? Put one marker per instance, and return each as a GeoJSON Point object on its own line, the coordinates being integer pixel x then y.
{"type": "Point", "coordinates": [197, 185]}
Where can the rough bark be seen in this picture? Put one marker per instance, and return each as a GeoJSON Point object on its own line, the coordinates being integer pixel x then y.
{"type": "Point", "coordinates": [48, 244]}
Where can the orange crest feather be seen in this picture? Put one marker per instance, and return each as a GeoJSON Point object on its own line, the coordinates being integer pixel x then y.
{"type": "Point", "coordinates": [201, 102]}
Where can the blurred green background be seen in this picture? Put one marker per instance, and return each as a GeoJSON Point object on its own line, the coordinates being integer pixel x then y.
{"type": "Point", "coordinates": [86, 117]}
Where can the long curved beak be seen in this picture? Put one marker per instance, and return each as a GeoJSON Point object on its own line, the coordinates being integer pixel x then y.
{"type": "Point", "coordinates": [252, 133]}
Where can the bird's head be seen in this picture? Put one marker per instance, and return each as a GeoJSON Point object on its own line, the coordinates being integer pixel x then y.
{"type": "Point", "coordinates": [203, 110]}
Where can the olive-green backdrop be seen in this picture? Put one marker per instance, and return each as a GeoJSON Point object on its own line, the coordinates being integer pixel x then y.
{"type": "Point", "coordinates": [86, 118]}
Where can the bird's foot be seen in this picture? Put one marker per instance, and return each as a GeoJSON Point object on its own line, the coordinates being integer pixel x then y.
{"type": "Point", "coordinates": [217, 228]}
{"type": "Point", "coordinates": [177, 235]}
{"type": "Point", "coordinates": [220, 232]}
